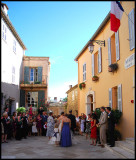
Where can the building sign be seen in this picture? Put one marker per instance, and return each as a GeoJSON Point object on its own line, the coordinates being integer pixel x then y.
{"type": "Point", "coordinates": [130, 61]}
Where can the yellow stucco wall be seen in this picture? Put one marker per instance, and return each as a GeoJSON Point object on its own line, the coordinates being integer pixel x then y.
{"type": "Point", "coordinates": [108, 79]}
{"type": "Point", "coordinates": [72, 102]}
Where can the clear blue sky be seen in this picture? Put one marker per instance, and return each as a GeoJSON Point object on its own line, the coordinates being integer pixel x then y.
{"type": "Point", "coordinates": [59, 30]}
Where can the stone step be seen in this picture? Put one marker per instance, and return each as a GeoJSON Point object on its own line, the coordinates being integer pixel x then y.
{"type": "Point", "coordinates": [130, 140]}
{"type": "Point", "coordinates": [126, 146]}
{"type": "Point", "coordinates": [121, 152]}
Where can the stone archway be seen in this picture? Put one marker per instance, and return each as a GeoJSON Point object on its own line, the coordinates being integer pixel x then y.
{"type": "Point", "coordinates": [90, 99]}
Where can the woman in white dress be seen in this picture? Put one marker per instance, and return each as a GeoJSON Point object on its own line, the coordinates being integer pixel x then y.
{"type": "Point", "coordinates": [34, 129]}
{"type": "Point", "coordinates": [60, 121]}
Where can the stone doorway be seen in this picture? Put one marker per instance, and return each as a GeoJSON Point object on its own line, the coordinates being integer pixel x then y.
{"type": "Point", "coordinates": [90, 106]}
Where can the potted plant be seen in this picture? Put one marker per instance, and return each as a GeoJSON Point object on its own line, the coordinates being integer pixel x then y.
{"type": "Point", "coordinates": [95, 78]}
{"type": "Point", "coordinates": [113, 67]}
{"type": "Point", "coordinates": [81, 85]}
{"type": "Point", "coordinates": [22, 82]}
{"type": "Point", "coordinates": [21, 109]}
{"type": "Point", "coordinates": [37, 82]}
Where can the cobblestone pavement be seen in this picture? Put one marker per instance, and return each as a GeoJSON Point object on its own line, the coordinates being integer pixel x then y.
{"type": "Point", "coordinates": [38, 148]}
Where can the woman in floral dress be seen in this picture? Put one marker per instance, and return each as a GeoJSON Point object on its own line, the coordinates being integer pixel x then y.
{"type": "Point", "coordinates": [50, 126]}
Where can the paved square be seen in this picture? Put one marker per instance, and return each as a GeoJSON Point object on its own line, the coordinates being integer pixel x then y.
{"type": "Point", "coordinates": [38, 148]}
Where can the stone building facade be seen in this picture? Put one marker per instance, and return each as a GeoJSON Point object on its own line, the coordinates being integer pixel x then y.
{"type": "Point", "coordinates": [72, 102]}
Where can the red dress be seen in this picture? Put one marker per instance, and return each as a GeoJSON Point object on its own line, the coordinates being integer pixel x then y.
{"type": "Point", "coordinates": [93, 131]}
{"type": "Point", "coordinates": [30, 111]}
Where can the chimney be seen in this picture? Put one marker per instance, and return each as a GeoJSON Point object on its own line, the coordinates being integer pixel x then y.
{"type": "Point", "coordinates": [55, 99]}
{"type": "Point", "coordinates": [70, 86]}
{"type": "Point", "coordinates": [5, 8]}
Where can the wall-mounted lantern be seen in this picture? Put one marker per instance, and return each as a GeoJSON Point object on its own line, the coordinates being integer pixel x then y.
{"type": "Point", "coordinates": [91, 46]}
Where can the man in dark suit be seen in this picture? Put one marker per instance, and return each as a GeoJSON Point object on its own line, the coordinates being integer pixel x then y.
{"type": "Point", "coordinates": [73, 121]}
{"type": "Point", "coordinates": [40, 111]}
{"type": "Point", "coordinates": [111, 126]}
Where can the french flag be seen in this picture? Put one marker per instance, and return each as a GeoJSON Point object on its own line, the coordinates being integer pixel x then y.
{"type": "Point", "coordinates": [115, 15]}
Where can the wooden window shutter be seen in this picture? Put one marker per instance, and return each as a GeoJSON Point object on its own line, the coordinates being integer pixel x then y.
{"type": "Point", "coordinates": [109, 50]}
{"type": "Point", "coordinates": [26, 74]}
{"type": "Point", "coordinates": [131, 29]}
{"type": "Point", "coordinates": [117, 45]}
{"type": "Point", "coordinates": [84, 71]}
{"type": "Point", "coordinates": [41, 97]}
{"type": "Point", "coordinates": [99, 60]}
{"type": "Point", "coordinates": [92, 65]}
{"type": "Point", "coordinates": [40, 74]}
{"type": "Point", "coordinates": [120, 97]}
{"type": "Point", "coordinates": [110, 97]}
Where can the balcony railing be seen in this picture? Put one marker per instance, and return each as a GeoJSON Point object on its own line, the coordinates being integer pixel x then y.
{"type": "Point", "coordinates": [35, 83]}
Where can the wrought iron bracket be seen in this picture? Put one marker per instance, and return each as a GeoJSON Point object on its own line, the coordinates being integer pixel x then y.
{"type": "Point", "coordinates": [99, 42]}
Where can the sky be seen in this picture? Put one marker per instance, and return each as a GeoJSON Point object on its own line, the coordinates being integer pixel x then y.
{"type": "Point", "coordinates": [58, 30]}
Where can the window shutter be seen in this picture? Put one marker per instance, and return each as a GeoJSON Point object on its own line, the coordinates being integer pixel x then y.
{"type": "Point", "coordinates": [40, 74]}
{"type": "Point", "coordinates": [99, 60]}
{"type": "Point", "coordinates": [131, 29]}
{"type": "Point", "coordinates": [84, 71]}
{"type": "Point", "coordinates": [22, 98]}
{"type": "Point", "coordinates": [109, 50]}
{"type": "Point", "coordinates": [117, 45]}
{"type": "Point", "coordinates": [92, 65]}
{"type": "Point", "coordinates": [26, 74]}
{"type": "Point", "coordinates": [110, 97]}
{"type": "Point", "coordinates": [41, 96]}
{"type": "Point", "coordinates": [120, 97]}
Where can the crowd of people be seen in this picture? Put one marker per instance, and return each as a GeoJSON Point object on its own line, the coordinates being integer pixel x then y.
{"type": "Point", "coordinates": [20, 125]}
{"type": "Point", "coordinates": [60, 128]}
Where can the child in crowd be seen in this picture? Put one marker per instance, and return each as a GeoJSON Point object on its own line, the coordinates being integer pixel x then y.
{"type": "Point", "coordinates": [56, 137]}
{"type": "Point", "coordinates": [34, 128]}
{"type": "Point", "coordinates": [82, 125]}
{"type": "Point", "coordinates": [45, 128]}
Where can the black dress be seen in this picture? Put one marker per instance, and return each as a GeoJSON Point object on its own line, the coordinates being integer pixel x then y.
{"type": "Point", "coordinates": [25, 127]}
{"type": "Point", "coordinates": [5, 125]}
{"type": "Point", "coordinates": [19, 130]}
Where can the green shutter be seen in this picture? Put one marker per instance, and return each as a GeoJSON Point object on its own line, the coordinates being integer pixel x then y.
{"type": "Point", "coordinates": [26, 74]}
{"type": "Point", "coordinates": [40, 74]}
{"type": "Point", "coordinates": [22, 98]}
{"type": "Point", "coordinates": [41, 96]}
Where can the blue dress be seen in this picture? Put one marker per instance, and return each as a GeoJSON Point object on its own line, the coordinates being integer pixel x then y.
{"type": "Point", "coordinates": [66, 135]}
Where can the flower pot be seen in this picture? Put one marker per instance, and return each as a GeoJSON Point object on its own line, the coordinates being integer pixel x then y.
{"type": "Point", "coordinates": [95, 78]}
{"type": "Point", "coordinates": [113, 67]}
{"type": "Point", "coordinates": [83, 85]}
{"type": "Point", "coordinates": [110, 69]}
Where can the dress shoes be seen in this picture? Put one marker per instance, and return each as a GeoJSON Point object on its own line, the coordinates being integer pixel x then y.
{"type": "Point", "coordinates": [112, 146]}
{"type": "Point", "coordinates": [102, 146]}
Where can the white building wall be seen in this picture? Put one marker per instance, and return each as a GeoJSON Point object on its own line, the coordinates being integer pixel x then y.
{"type": "Point", "coordinates": [10, 58]}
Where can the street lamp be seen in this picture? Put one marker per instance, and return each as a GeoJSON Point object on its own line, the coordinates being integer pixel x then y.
{"type": "Point", "coordinates": [91, 46]}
